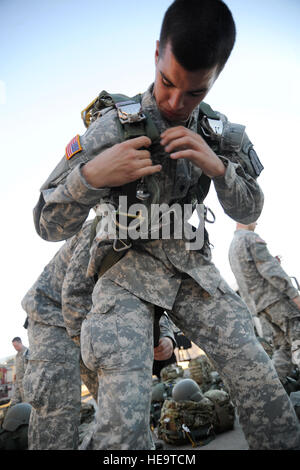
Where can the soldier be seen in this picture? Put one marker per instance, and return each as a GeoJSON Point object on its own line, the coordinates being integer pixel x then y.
{"type": "Point", "coordinates": [189, 146]}
{"type": "Point", "coordinates": [56, 305]}
{"type": "Point", "coordinates": [269, 293]}
{"type": "Point", "coordinates": [20, 366]}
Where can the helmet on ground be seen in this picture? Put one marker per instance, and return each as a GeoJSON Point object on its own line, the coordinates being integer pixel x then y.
{"type": "Point", "coordinates": [16, 416]}
{"type": "Point", "coordinates": [187, 389]}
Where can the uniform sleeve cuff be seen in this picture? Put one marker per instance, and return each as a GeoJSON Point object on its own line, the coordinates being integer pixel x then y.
{"type": "Point", "coordinates": [292, 293]}
{"type": "Point", "coordinates": [81, 191]}
{"type": "Point", "coordinates": [227, 180]}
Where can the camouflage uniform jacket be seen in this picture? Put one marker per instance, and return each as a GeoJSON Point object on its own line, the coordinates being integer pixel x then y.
{"type": "Point", "coordinates": [260, 278]}
{"type": "Point", "coordinates": [21, 360]}
{"type": "Point", "coordinates": [66, 200]}
{"type": "Point", "coordinates": [20, 363]}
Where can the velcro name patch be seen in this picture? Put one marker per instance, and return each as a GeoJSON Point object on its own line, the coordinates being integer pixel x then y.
{"type": "Point", "coordinates": [73, 147]}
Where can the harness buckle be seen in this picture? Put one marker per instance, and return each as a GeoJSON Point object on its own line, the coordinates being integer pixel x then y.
{"type": "Point", "coordinates": [212, 127]}
{"type": "Point", "coordinates": [130, 111]}
{"type": "Point", "coordinates": [123, 248]}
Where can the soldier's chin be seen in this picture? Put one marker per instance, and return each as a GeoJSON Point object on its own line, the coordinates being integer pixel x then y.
{"type": "Point", "coordinates": [173, 118]}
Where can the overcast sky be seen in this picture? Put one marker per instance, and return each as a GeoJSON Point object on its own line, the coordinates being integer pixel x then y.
{"type": "Point", "coordinates": [56, 56]}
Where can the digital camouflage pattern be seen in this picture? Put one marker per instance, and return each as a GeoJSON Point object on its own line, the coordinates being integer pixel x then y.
{"type": "Point", "coordinates": [55, 371]}
{"type": "Point", "coordinates": [267, 290]}
{"type": "Point", "coordinates": [21, 360]}
{"type": "Point", "coordinates": [259, 275]}
{"type": "Point", "coordinates": [284, 319]}
{"type": "Point", "coordinates": [224, 410]}
{"type": "Point", "coordinates": [52, 383]}
{"type": "Point", "coordinates": [116, 337]}
{"type": "Point", "coordinates": [166, 328]}
{"type": "Point", "coordinates": [66, 198]}
{"type": "Point", "coordinates": [52, 387]}
{"type": "Point", "coordinates": [220, 324]}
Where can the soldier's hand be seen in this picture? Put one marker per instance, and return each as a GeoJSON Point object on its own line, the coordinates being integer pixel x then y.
{"type": "Point", "coordinates": [296, 301]}
{"type": "Point", "coordinates": [164, 350]}
{"type": "Point", "coordinates": [120, 164]}
{"type": "Point", "coordinates": [181, 142]}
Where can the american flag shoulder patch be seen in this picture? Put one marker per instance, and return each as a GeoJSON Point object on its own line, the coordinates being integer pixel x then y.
{"type": "Point", "coordinates": [73, 147]}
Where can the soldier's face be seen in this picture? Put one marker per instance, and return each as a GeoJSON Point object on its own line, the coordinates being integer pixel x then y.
{"type": "Point", "coordinates": [17, 345]}
{"type": "Point", "coordinates": [176, 90]}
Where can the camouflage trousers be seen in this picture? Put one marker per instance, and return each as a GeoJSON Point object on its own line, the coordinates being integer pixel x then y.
{"type": "Point", "coordinates": [52, 386]}
{"type": "Point", "coordinates": [283, 318]}
{"type": "Point", "coordinates": [117, 340]}
{"type": "Point", "coordinates": [18, 393]}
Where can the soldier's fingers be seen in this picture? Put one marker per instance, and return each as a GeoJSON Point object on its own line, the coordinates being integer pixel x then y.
{"type": "Point", "coordinates": [143, 154]}
{"type": "Point", "coordinates": [143, 163]}
{"type": "Point", "coordinates": [138, 142]}
{"type": "Point", "coordinates": [190, 154]}
{"type": "Point", "coordinates": [149, 170]}
{"type": "Point", "coordinates": [173, 133]}
{"type": "Point", "coordinates": [181, 144]}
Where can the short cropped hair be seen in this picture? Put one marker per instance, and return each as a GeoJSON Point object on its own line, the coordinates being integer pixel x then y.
{"type": "Point", "coordinates": [201, 33]}
{"type": "Point", "coordinates": [18, 339]}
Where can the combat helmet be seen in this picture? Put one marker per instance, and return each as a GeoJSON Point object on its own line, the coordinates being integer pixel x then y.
{"type": "Point", "coordinates": [160, 391]}
{"type": "Point", "coordinates": [14, 431]}
{"type": "Point", "coordinates": [187, 389]}
{"type": "Point", "coordinates": [16, 416]}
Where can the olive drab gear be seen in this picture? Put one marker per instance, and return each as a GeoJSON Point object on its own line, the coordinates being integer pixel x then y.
{"type": "Point", "coordinates": [187, 422]}
{"type": "Point", "coordinates": [216, 382]}
{"type": "Point", "coordinates": [200, 370]}
{"type": "Point", "coordinates": [266, 345]}
{"type": "Point", "coordinates": [171, 372]}
{"type": "Point", "coordinates": [160, 392]}
{"type": "Point", "coordinates": [224, 410]}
